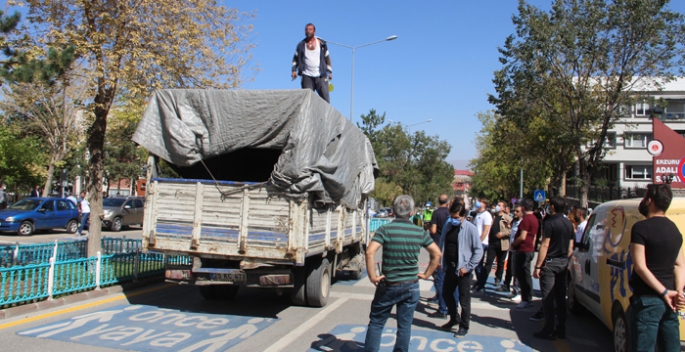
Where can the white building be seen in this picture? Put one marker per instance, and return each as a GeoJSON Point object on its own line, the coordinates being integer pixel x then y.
{"type": "Point", "coordinates": [628, 164]}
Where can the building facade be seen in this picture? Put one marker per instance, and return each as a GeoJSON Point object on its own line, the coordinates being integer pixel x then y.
{"type": "Point", "coordinates": [627, 163]}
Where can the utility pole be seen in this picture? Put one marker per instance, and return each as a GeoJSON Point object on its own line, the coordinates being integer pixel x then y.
{"type": "Point", "coordinates": [521, 186]}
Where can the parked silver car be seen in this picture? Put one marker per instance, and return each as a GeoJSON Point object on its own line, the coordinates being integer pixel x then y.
{"type": "Point", "coordinates": [122, 211]}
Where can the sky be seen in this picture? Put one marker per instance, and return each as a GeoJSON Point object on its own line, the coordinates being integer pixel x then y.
{"type": "Point", "coordinates": [440, 67]}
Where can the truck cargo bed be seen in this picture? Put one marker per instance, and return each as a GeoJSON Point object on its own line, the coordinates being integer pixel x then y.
{"type": "Point", "coordinates": [244, 221]}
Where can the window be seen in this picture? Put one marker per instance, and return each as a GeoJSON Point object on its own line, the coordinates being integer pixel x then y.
{"type": "Point", "coordinates": [129, 204]}
{"type": "Point", "coordinates": [639, 172]}
{"type": "Point", "coordinates": [62, 205]}
{"type": "Point", "coordinates": [675, 110]}
{"type": "Point", "coordinates": [137, 203]}
{"type": "Point", "coordinates": [49, 205]}
{"type": "Point", "coordinates": [637, 140]}
{"type": "Point", "coordinates": [610, 142]}
{"type": "Point", "coordinates": [642, 109]}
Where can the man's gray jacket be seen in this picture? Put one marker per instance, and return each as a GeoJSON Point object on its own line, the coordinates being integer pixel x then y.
{"type": "Point", "coordinates": [470, 246]}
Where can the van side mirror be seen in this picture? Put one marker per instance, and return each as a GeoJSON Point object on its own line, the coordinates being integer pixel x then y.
{"type": "Point", "coordinates": [127, 206]}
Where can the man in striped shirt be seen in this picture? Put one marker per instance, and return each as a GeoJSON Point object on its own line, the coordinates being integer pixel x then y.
{"type": "Point", "coordinates": [398, 283]}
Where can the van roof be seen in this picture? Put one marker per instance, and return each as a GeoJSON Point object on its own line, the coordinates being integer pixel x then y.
{"type": "Point", "coordinates": [677, 205]}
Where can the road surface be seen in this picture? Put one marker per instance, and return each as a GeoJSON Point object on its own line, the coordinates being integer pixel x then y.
{"type": "Point", "coordinates": [167, 317]}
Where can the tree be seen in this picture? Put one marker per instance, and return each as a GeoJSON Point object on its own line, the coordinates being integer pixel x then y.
{"type": "Point", "coordinates": [136, 46]}
{"type": "Point", "coordinates": [411, 164]}
{"type": "Point", "coordinates": [503, 149]}
{"type": "Point", "coordinates": [22, 158]}
{"type": "Point", "coordinates": [579, 64]}
{"type": "Point", "coordinates": [7, 25]}
{"type": "Point", "coordinates": [123, 158]}
{"type": "Point", "coordinates": [54, 108]}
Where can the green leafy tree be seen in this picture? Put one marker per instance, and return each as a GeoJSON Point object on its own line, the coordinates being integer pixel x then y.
{"type": "Point", "coordinates": [22, 158]}
{"type": "Point", "coordinates": [579, 63]}
{"type": "Point", "coordinates": [411, 164]}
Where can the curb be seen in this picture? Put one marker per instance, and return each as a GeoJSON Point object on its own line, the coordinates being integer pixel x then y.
{"type": "Point", "coordinates": [28, 308]}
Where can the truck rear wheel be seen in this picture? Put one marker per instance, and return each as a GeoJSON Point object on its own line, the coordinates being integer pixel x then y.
{"type": "Point", "coordinates": [318, 283]}
{"type": "Point", "coordinates": [298, 295]}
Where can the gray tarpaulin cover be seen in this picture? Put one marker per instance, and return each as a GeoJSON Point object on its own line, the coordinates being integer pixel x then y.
{"type": "Point", "coordinates": [322, 151]}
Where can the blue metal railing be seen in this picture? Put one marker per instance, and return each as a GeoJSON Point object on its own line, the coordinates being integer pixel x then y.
{"type": "Point", "coordinates": [375, 223]}
{"type": "Point", "coordinates": [74, 275]}
{"type": "Point", "coordinates": [23, 283]}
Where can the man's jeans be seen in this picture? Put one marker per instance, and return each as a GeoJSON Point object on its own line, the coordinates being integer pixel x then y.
{"type": "Point", "coordinates": [438, 282]}
{"type": "Point", "coordinates": [405, 296]}
{"type": "Point", "coordinates": [479, 268]}
{"type": "Point", "coordinates": [317, 84]}
{"type": "Point", "coordinates": [84, 221]}
{"type": "Point", "coordinates": [653, 323]}
{"type": "Point", "coordinates": [553, 287]}
{"type": "Point", "coordinates": [523, 274]}
{"type": "Point", "coordinates": [494, 251]}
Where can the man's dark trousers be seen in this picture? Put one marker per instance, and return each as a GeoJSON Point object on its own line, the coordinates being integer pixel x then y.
{"type": "Point", "coordinates": [462, 284]}
{"type": "Point", "coordinates": [317, 84]}
{"type": "Point", "coordinates": [494, 252]}
{"type": "Point", "coordinates": [510, 270]}
{"type": "Point", "coordinates": [523, 274]}
{"type": "Point", "coordinates": [553, 287]}
{"type": "Point", "coordinates": [652, 323]}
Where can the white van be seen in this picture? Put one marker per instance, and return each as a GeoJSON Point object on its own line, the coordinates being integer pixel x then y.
{"type": "Point", "coordinates": [601, 266]}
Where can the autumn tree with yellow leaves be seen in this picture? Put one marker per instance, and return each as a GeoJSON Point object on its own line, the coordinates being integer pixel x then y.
{"type": "Point", "coordinates": [133, 47]}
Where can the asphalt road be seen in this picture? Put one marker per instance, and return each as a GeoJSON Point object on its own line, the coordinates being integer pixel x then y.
{"type": "Point", "coordinates": [169, 317]}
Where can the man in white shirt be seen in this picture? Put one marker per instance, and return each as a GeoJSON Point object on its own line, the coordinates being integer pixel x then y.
{"type": "Point", "coordinates": [84, 206]}
{"type": "Point", "coordinates": [580, 215]}
{"type": "Point", "coordinates": [483, 222]}
{"type": "Point", "coordinates": [313, 63]}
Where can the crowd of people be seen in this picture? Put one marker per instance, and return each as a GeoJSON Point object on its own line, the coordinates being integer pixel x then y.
{"type": "Point", "coordinates": [465, 245]}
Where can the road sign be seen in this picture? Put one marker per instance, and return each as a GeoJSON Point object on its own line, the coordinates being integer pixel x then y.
{"type": "Point", "coordinates": [540, 196]}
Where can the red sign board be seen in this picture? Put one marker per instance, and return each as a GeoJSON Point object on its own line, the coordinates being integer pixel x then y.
{"type": "Point", "coordinates": [668, 155]}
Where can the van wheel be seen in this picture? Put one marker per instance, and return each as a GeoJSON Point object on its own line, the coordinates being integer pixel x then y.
{"type": "Point", "coordinates": [298, 295]}
{"type": "Point", "coordinates": [621, 335]}
{"type": "Point", "coordinates": [573, 306]}
{"type": "Point", "coordinates": [318, 282]}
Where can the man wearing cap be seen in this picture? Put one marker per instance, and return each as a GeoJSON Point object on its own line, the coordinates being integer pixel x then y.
{"type": "Point", "coordinates": [313, 63]}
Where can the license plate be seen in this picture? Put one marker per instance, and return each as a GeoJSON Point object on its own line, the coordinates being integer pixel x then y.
{"type": "Point", "coordinates": [228, 277]}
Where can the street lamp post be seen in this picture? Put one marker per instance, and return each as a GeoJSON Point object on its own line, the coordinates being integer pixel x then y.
{"type": "Point", "coordinates": [410, 126]}
{"type": "Point", "coordinates": [354, 48]}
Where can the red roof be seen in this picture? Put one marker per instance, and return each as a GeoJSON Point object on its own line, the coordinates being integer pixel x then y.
{"type": "Point", "coordinates": [463, 173]}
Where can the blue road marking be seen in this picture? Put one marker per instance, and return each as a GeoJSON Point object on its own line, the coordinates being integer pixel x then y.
{"type": "Point", "coordinates": [149, 328]}
{"type": "Point", "coordinates": [351, 338]}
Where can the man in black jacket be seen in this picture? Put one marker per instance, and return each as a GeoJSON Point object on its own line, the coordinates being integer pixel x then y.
{"type": "Point", "coordinates": [313, 63]}
{"type": "Point", "coordinates": [556, 247]}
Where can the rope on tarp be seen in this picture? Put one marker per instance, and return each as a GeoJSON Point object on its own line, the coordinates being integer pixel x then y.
{"type": "Point", "coordinates": [226, 194]}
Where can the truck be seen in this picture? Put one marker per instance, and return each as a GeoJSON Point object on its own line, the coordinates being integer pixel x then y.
{"type": "Point", "coordinates": [270, 191]}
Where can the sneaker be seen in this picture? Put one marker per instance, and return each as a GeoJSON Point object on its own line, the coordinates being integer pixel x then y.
{"type": "Point", "coordinates": [461, 333]}
{"type": "Point", "coordinates": [545, 335]}
{"type": "Point", "coordinates": [450, 326]}
{"type": "Point", "coordinates": [497, 283]}
{"type": "Point", "coordinates": [539, 316]}
{"type": "Point", "coordinates": [478, 289]}
{"type": "Point", "coordinates": [433, 303]}
{"type": "Point", "coordinates": [438, 315]}
{"type": "Point", "coordinates": [504, 288]}
{"type": "Point", "coordinates": [524, 305]}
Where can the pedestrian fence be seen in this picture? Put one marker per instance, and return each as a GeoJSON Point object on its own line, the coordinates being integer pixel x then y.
{"type": "Point", "coordinates": [59, 276]}
{"type": "Point", "coordinates": [375, 223]}
{"type": "Point", "coordinates": [25, 254]}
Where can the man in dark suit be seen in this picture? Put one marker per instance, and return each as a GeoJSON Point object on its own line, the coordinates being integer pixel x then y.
{"type": "Point", "coordinates": [36, 192]}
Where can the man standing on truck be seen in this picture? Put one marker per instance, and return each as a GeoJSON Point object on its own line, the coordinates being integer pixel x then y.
{"type": "Point", "coordinates": [658, 275]}
{"type": "Point", "coordinates": [556, 247]}
{"type": "Point", "coordinates": [398, 282]}
{"type": "Point", "coordinates": [313, 63]}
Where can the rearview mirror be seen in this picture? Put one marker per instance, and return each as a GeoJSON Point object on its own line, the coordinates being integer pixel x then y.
{"type": "Point", "coordinates": [127, 206]}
